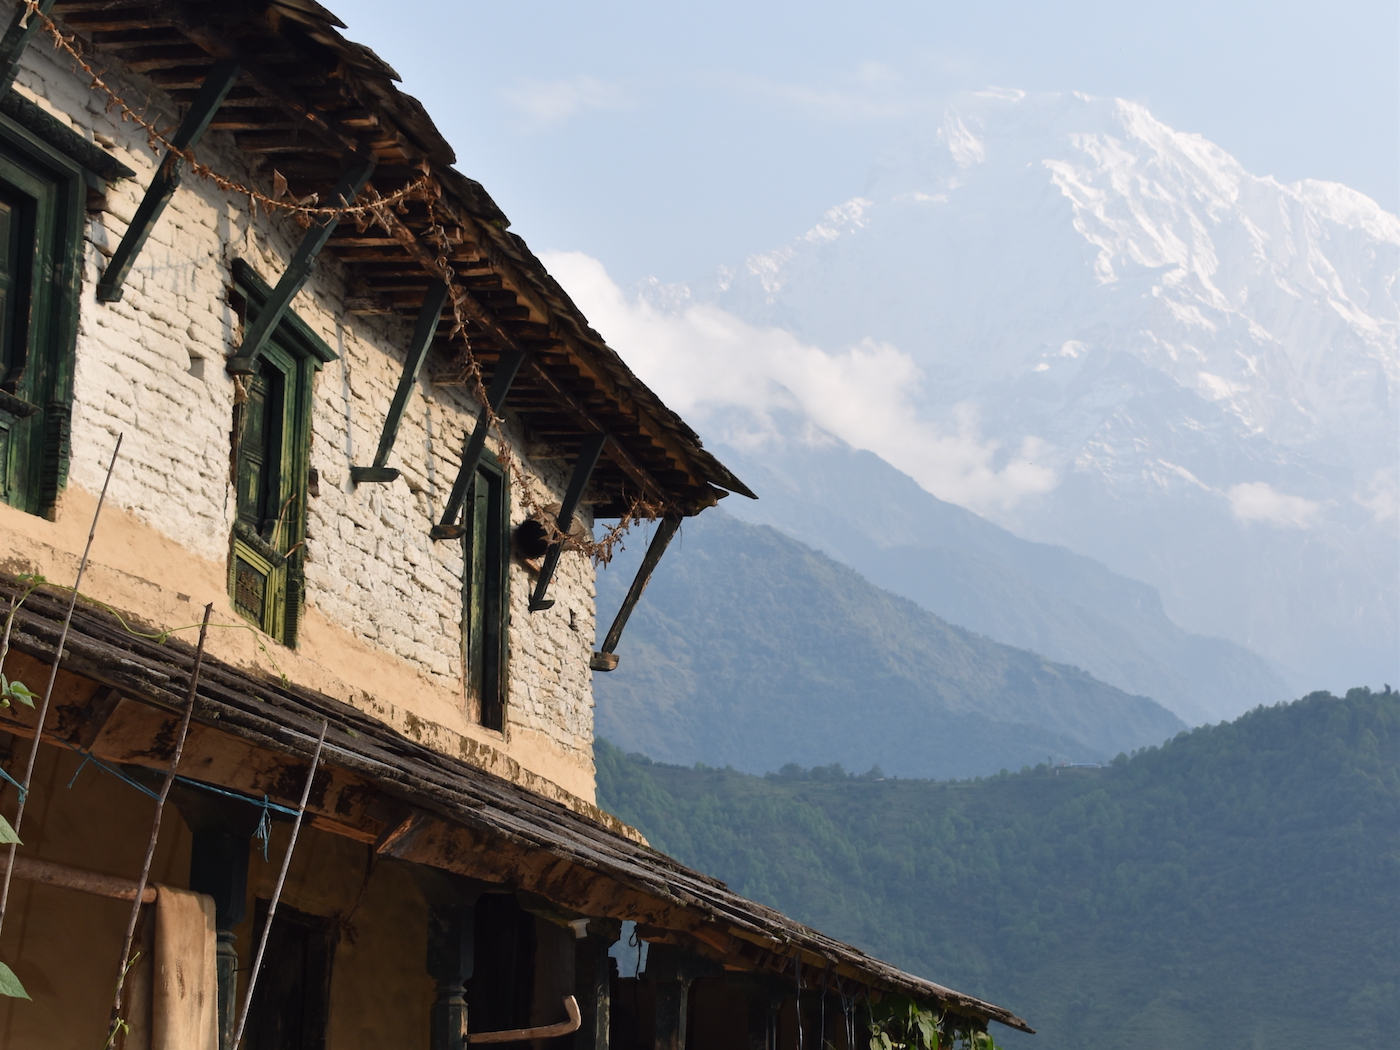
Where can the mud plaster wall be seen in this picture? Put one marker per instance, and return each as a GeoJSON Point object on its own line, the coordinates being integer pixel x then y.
{"type": "Point", "coordinates": [383, 616]}
{"type": "Point", "coordinates": [62, 944]}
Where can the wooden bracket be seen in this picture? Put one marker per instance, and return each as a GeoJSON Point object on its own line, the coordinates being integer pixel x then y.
{"type": "Point", "coordinates": [606, 659]}
{"type": "Point", "coordinates": [222, 76]}
{"type": "Point", "coordinates": [583, 470]}
{"type": "Point", "coordinates": [429, 316]}
{"type": "Point", "coordinates": [399, 835]}
{"type": "Point", "coordinates": [352, 181]}
{"type": "Point", "coordinates": [507, 365]}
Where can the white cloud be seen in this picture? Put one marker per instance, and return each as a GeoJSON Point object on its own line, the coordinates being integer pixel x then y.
{"type": "Point", "coordinates": [550, 101]}
{"type": "Point", "coordinates": [1382, 495]}
{"type": "Point", "coordinates": [713, 367]}
{"type": "Point", "coordinates": [1261, 502]}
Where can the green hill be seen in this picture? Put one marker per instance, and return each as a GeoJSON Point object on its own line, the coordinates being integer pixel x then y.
{"type": "Point", "coordinates": [751, 649]}
{"type": "Point", "coordinates": [1236, 887]}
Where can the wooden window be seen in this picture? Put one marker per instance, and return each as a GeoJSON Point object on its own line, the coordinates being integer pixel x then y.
{"type": "Point", "coordinates": [272, 461]}
{"type": "Point", "coordinates": [41, 224]}
{"type": "Point", "coordinates": [485, 594]}
{"type": "Point", "coordinates": [291, 1003]}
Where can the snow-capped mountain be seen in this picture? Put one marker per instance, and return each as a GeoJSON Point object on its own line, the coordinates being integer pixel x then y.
{"type": "Point", "coordinates": [1184, 370]}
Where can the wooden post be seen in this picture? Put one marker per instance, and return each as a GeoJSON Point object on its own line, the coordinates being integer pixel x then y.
{"type": "Point", "coordinates": [593, 980]}
{"type": "Point", "coordinates": [451, 951]}
{"type": "Point", "coordinates": [451, 960]}
{"type": "Point", "coordinates": [219, 867]}
{"type": "Point", "coordinates": [671, 971]}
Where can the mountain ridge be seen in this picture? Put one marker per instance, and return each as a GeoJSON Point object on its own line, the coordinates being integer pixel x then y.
{"type": "Point", "coordinates": [858, 509]}
{"type": "Point", "coordinates": [749, 646]}
{"type": "Point", "coordinates": [1233, 887]}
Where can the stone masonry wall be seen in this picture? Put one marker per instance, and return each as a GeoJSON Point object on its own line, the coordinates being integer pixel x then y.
{"type": "Point", "coordinates": [151, 367]}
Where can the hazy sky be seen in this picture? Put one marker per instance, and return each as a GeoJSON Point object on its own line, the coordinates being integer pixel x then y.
{"type": "Point", "coordinates": [664, 139]}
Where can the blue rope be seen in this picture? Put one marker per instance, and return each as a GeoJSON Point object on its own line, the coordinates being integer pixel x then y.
{"type": "Point", "coordinates": [23, 791]}
{"type": "Point", "coordinates": [264, 828]}
{"type": "Point", "coordinates": [266, 805]}
{"type": "Point", "coordinates": [88, 756]}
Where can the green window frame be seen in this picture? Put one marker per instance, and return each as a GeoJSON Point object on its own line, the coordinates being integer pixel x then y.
{"type": "Point", "coordinates": [272, 467]}
{"type": "Point", "coordinates": [486, 552]}
{"type": "Point", "coordinates": [42, 201]}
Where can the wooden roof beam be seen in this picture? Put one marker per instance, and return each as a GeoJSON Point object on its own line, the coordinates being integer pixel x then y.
{"type": "Point", "coordinates": [273, 86]}
{"type": "Point", "coordinates": [526, 291]}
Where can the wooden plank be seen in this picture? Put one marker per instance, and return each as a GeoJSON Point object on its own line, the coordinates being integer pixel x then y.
{"type": "Point", "coordinates": [198, 29]}
{"type": "Point", "coordinates": [49, 873]}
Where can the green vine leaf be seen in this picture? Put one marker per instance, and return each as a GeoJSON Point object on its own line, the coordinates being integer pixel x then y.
{"type": "Point", "coordinates": [8, 837]}
{"type": "Point", "coordinates": [10, 984]}
{"type": "Point", "coordinates": [21, 692]}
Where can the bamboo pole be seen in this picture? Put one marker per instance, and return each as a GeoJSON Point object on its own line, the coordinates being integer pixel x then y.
{"type": "Point", "coordinates": [155, 825]}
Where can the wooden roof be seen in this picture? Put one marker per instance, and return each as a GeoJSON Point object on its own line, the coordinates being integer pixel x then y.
{"type": "Point", "coordinates": [255, 734]}
{"type": "Point", "coordinates": [307, 102]}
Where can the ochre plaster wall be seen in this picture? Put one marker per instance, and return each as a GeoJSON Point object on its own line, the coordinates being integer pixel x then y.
{"type": "Point", "coordinates": [64, 944]}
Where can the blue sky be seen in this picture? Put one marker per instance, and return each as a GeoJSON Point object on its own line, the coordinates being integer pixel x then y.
{"type": "Point", "coordinates": [664, 139]}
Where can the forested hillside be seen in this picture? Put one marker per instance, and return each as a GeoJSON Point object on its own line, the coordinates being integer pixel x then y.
{"type": "Point", "coordinates": [752, 649]}
{"type": "Point", "coordinates": [1236, 887]}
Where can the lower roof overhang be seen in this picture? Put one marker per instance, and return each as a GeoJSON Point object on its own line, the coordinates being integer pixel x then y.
{"type": "Point", "coordinates": [119, 695]}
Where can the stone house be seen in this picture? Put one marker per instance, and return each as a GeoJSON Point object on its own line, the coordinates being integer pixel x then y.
{"type": "Point", "coordinates": [315, 395]}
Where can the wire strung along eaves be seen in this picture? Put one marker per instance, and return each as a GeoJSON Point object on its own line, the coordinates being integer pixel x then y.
{"type": "Point", "coordinates": [306, 101]}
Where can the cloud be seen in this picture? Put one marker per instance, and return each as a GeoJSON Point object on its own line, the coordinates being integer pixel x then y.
{"type": "Point", "coordinates": [550, 101]}
{"type": "Point", "coordinates": [1258, 501]}
{"type": "Point", "coordinates": [716, 369]}
{"type": "Point", "coordinates": [1382, 495]}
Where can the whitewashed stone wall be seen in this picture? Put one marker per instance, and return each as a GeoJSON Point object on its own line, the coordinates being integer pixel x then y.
{"type": "Point", "coordinates": [151, 367]}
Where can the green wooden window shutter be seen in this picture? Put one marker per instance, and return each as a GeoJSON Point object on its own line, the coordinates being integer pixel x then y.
{"type": "Point", "coordinates": [272, 457]}
{"type": "Point", "coordinates": [485, 594]}
{"type": "Point", "coordinates": [41, 222]}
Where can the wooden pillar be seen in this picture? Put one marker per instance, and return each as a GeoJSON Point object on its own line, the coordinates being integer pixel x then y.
{"type": "Point", "coordinates": [222, 831]}
{"type": "Point", "coordinates": [451, 959]}
{"type": "Point", "coordinates": [593, 979]}
{"type": "Point", "coordinates": [671, 971]}
{"type": "Point", "coordinates": [219, 867]}
{"type": "Point", "coordinates": [451, 954]}
{"type": "Point", "coordinates": [764, 996]}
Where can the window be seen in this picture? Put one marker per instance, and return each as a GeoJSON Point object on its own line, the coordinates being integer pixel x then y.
{"type": "Point", "coordinates": [41, 224]}
{"type": "Point", "coordinates": [485, 583]}
{"type": "Point", "coordinates": [272, 459]}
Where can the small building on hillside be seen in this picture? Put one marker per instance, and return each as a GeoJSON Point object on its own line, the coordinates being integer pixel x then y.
{"type": "Point", "coordinates": [316, 397]}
